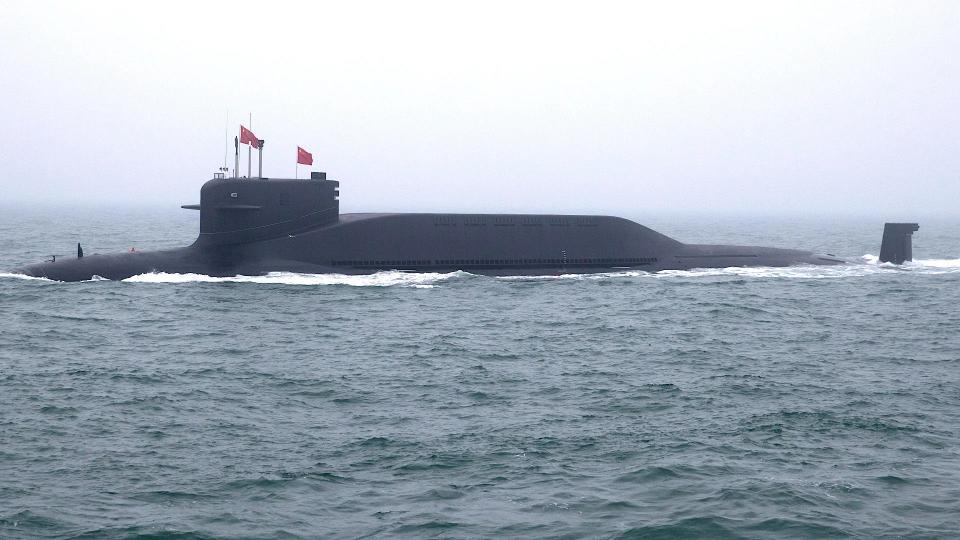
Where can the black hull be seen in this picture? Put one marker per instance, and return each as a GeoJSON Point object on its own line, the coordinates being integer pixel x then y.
{"type": "Point", "coordinates": [253, 227]}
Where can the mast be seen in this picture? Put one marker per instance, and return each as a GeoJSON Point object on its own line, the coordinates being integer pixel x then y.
{"type": "Point", "coordinates": [260, 158]}
{"type": "Point", "coordinates": [249, 148]}
{"type": "Point", "coordinates": [226, 139]}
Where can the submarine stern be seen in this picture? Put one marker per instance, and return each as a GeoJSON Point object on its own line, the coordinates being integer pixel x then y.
{"type": "Point", "coordinates": [723, 256]}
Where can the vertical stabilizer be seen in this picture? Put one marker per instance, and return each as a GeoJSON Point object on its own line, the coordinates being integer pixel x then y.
{"type": "Point", "coordinates": [897, 245]}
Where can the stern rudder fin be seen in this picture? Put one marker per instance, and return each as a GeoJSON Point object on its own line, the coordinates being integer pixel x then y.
{"type": "Point", "coordinates": [897, 244]}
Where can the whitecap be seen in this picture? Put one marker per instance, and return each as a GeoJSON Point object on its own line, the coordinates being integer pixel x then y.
{"type": "Point", "coordinates": [379, 279]}
{"type": "Point", "coordinates": [577, 277]}
{"type": "Point", "coordinates": [11, 275]}
{"type": "Point", "coordinates": [867, 265]}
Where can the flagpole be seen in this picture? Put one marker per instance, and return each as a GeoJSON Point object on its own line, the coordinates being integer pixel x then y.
{"type": "Point", "coordinates": [260, 158]}
{"type": "Point", "coordinates": [226, 138]}
{"type": "Point", "coordinates": [249, 146]}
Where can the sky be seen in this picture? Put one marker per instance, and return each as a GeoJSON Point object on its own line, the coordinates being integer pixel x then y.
{"type": "Point", "coordinates": [779, 108]}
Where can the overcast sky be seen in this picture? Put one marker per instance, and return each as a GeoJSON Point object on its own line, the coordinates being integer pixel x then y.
{"type": "Point", "coordinates": [771, 107]}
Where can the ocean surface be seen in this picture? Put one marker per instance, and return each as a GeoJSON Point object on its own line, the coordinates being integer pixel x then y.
{"type": "Point", "coordinates": [737, 403]}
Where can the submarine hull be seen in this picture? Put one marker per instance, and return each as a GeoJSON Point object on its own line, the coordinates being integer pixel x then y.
{"type": "Point", "coordinates": [252, 226]}
{"type": "Point", "coordinates": [491, 244]}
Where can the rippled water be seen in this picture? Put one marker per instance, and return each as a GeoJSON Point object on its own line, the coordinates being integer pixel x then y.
{"type": "Point", "coordinates": [736, 403]}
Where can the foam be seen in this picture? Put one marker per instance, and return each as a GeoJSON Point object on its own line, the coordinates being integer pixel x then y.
{"type": "Point", "coordinates": [10, 275]}
{"type": "Point", "coordinates": [928, 266]}
{"type": "Point", "coordinates": [48, 280]}
{"type": "Point", "coordinates": [379, 279]}
{"type": "Point", "coordinates": [865, 265]}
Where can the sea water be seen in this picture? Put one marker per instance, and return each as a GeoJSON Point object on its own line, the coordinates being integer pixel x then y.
{"type": "Point", "coordinates": [802, 402]}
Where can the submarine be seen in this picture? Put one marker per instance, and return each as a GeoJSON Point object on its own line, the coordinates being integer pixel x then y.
{"type": "Point", "coordinates": [254, 226]}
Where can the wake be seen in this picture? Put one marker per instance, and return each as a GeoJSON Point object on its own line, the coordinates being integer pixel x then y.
{"type": "Point", "coordinates": [390, 278]}
{"type": "Point", "coordinates": [867, 265]}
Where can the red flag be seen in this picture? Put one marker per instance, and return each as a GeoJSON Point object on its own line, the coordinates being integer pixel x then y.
{"type": "Point", "coordinates": [247, 137]}
{"type": "Point", "coordinates": [304, 157]}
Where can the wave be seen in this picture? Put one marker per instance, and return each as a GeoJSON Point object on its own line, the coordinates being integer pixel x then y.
{"type": "Point", "coordinates": [10, 275]}
{"type": "Point", "coordinates": [390, 278]}
{"type": "Point", "coordinates": [865, 265]}
{"type": "Point", "coordinates": [919, 264]}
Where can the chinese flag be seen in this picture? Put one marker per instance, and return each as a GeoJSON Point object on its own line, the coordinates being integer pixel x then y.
{"type": "Point", "coordinates": [304, 157]}
{"type": "Point", "coordinates": [247, 137]}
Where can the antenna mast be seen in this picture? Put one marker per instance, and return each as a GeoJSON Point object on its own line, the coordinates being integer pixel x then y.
{"type": "Point", "coordinates": [226, 142]}
{"type": "Point", "coordinates": [226, 138]}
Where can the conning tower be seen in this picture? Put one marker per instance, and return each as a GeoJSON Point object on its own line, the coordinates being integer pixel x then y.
{"type": "Point", "coordinates": [240, 210]}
